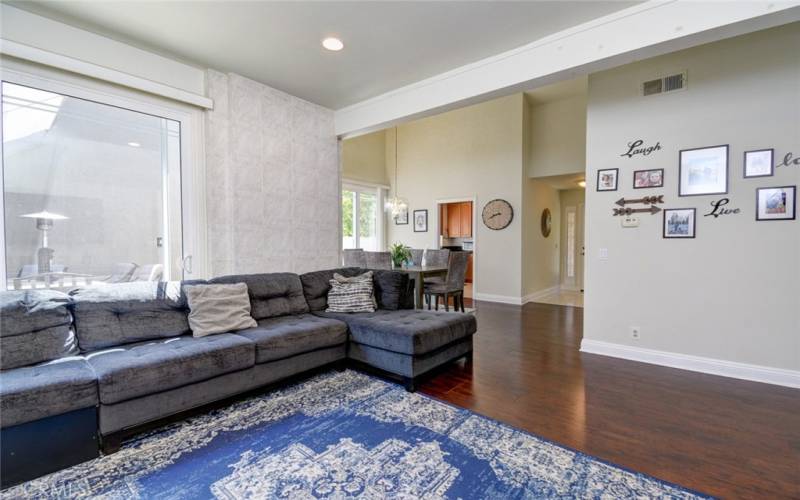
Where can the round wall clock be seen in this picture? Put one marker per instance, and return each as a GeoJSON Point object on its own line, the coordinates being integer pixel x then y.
{"type": "Point", "coordinates": [547, 222]}
{"type": "Point", "coordinates": [497, 214]}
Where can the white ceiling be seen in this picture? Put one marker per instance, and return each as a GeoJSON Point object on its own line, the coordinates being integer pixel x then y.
{"type": "Point", "coordinates": [387, 44]}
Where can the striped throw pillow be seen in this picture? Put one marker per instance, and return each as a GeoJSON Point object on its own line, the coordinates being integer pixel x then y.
{"type": "Point", "coordinates": [351, 294]}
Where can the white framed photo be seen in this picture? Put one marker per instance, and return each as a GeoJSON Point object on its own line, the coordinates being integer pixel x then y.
{"type": "Point", "coordinates": [703, 171]}
{"type": "Point", "coordinates": [759, 163]}
{"type": "Point", "coordinates": [679, 222]}
{"type": "Point", "coordinates": [776, 203]}
{"type": "Point", "coordinates": [607, 179]}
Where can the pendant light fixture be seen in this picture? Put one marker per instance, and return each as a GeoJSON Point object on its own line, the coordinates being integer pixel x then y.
{"type": "Point", "coordinates": [396, 205]}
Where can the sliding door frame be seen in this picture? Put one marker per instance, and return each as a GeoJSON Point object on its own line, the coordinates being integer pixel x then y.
{"type": "Point", "coordinates": [193, 258]}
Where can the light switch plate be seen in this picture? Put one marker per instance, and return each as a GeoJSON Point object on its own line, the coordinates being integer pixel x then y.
{"type": "Point", "coordinates": [603, 254]}
{"type": "Point", "coordinates": [630, 221]}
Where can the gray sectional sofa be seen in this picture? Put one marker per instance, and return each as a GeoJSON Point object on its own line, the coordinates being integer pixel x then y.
{"type": "Point", "coordinates": [83, 370]}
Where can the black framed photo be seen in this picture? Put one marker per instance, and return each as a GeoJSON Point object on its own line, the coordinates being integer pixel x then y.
{"type": "Point", "coordinates": [776, 203]}
{"type": "Point", "coordinates": [679, 222]}
{"type": "Point", "coordinates": [653, 178]}
{"type": "Point", "coordinates": [703, 171]}
{"type": "Point", "coordinates": [607, 179]}
{"type": "Point", "coordinates": [759, 163]}
{"type": "Point", "coordinates": [421, 221]}
{"type": "Point", "coordinates": [402, 218]}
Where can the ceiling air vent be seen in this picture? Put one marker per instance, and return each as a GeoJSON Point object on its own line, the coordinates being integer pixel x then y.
{"type": "Point", "coordinates": [670, 83]}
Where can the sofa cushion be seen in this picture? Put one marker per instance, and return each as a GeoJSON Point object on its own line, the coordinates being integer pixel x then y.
{"type": "Point", "coordinates": [407, 331]}
{"type": "Point", "coordinates": [32, 310]}
{"type": "Point", "coordinates": [45, 390]}
{"type": "Point", "coordinates": [133, 370]}
{"type": "Point", "coordinates": [34, 327]}
{"type": "Point", "coordinates": [273, 294]}
{"type": "Point", "coordinates": [286, 336]}
{"type": "Point", "coordinates": [218, 308]}
{"type": "Point", "coordinates": [37, 347]}
{"type": "Point", "coordinates": [123, 313]}
{"type": "Point", "coordinates": [393, 289]}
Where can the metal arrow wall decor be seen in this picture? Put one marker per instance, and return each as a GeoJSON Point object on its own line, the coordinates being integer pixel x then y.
{"type": "Point", "coordinates": [647, 200]}
{"type": "Point", "coordinates": [628, 211]}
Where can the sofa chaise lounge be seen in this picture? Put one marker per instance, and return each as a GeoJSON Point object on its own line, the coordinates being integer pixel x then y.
{"type": "Point", "coordinates": [81, 371]}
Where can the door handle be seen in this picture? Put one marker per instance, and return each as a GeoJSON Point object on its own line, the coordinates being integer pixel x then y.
{"type": "Point", "coordinates": [186, 264]}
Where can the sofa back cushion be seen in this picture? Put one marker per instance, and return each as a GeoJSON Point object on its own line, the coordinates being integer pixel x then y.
{"type": "Point", "coordinates": [272, 294]}
{"type": "Point", "coordinates": [35, 326]}
{"type": "Point", "coordinates": [316, 285]}
{"type": "Point", "coordinates": [122, 313]}
{"type": "Point", "coordinates": [392, 289]}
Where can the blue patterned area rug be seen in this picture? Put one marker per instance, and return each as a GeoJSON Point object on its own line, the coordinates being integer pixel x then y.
{"type": "Point", "coordinates": [343, 435]}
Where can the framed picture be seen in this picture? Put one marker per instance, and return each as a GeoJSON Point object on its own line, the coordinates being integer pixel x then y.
{"type": "Point", "coordinates": [653, 178]}
{"type": "Point", "coordinates": [402, 218]}
{"type": "Point", "coordinates": [420, 221]}
{"type": "Point", "coordinates": [759, 163]}
{"type": "Point", "coordinates": [703, 171]}
{"type": "Point", "coordinates": [679, 222]}
{"type": "Point", "coordinates": [607, 179]}
{"type": "Point", "coordinates": [776, 203]}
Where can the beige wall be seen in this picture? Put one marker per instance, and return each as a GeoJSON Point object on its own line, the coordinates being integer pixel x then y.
{"type": "Point", "coordinates": [470, 152]}
{"type": "Point", "coordinates": [364, 158]}
{"type": "Point", "coordinates": [272, 167]}
{"type": "Point", "coordinates": [540, 258]}
{"type": "Point", "coordinates": [557, 137]}
{"type": "Point", "coordinates": [733, 292]}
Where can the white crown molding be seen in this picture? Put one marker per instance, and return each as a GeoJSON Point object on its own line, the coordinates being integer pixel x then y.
{"type": "Point", "coordinates": [744, 371]}
{"type": "Point", "coordinates": [642, 31]}
{"type": "Point", "coordinates": [47, 58]}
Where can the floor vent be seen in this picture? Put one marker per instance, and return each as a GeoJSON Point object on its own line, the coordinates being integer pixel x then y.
{"type": "Point", "coordinates": [670, 83]}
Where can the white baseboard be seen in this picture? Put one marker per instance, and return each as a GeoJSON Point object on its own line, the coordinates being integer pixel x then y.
{"type": "Point", "coordinates": [531, 297]}
{"type": "Point", "coordinates": [756, 373]}
{"type": "Point", "coordinates": [503, 299]}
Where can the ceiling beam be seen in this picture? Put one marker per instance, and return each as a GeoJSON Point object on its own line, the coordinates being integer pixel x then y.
{"type": "Point", "coordinates": [643, 31]}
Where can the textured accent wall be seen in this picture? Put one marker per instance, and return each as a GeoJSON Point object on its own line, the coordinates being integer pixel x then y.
{"type": "Point", "coordinates": [273, 180]}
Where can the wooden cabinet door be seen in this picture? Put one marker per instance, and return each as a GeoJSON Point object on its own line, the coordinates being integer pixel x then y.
{"type": "Point", "coordinates": [465, 210]}
{"type": "Point", "coordinates": [453, 220]}
{"type": "Point", "coordinates": [443, 222]}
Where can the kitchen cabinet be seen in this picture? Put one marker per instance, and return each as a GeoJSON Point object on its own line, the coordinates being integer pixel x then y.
{"type": "Point", "coordinates": [456, 220]}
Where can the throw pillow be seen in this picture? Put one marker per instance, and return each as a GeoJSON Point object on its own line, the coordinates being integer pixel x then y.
{"type": "Point", "coordinates": [351, 294]}
{"type": "Point", "coordinates": [218, 309]}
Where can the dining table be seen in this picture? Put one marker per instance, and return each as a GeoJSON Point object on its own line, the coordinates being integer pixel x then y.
{"type": "Point", "coordinates": [418, 274]}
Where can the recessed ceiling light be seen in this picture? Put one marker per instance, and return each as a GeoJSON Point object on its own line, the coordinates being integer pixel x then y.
{"type": "Point", "coordinates": [582, 184]}
{"type": "Point", "coordinates": [332, 43]}
{"type": "Point", "coordinates": [134, 144]}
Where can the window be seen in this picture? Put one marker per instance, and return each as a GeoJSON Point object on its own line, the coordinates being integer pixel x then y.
{"type": "Point", "coordinates": [362, 220]}
{"type": "Point", "coordinates": [91, 191]}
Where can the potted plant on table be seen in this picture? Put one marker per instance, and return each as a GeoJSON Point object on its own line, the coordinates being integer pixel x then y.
{"type": "Point", "coordinates": [400, 254]}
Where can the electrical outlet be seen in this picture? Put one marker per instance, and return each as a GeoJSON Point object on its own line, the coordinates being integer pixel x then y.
{"type": "Point", "coordinates": [636, 332]}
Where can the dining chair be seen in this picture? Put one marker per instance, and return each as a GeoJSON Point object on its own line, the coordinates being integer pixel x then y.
{"type": "Point", "coordinates": [354, 257]}
{"type": "Point", "coordinates": [378, 260]}
{"type": "Point", "coordinates": [416, 256]}
{"type": "Point", "coordinates": [453, 284]}
{"type": "Point", "coordinates": [437, 258]}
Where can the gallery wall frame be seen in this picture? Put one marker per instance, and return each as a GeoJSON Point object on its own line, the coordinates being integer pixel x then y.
{"type": "Point", "coordinates": [648, 179]}
{"type": "Point", "coordinates": [675, 227]}
{"type": "Point", "coordinates": [776, 203]}
{"type": "Point", "coordinates": [759, 163]}
{"type": "Point", "coordinates": [703, 171]}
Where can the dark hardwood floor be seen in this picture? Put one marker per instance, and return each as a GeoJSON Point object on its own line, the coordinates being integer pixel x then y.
{"type": "Point", "coordinates": [721, 436]}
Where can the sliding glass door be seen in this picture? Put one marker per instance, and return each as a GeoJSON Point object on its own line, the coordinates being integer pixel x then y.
{"type": "Point", "coordinates": [91, 191]}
